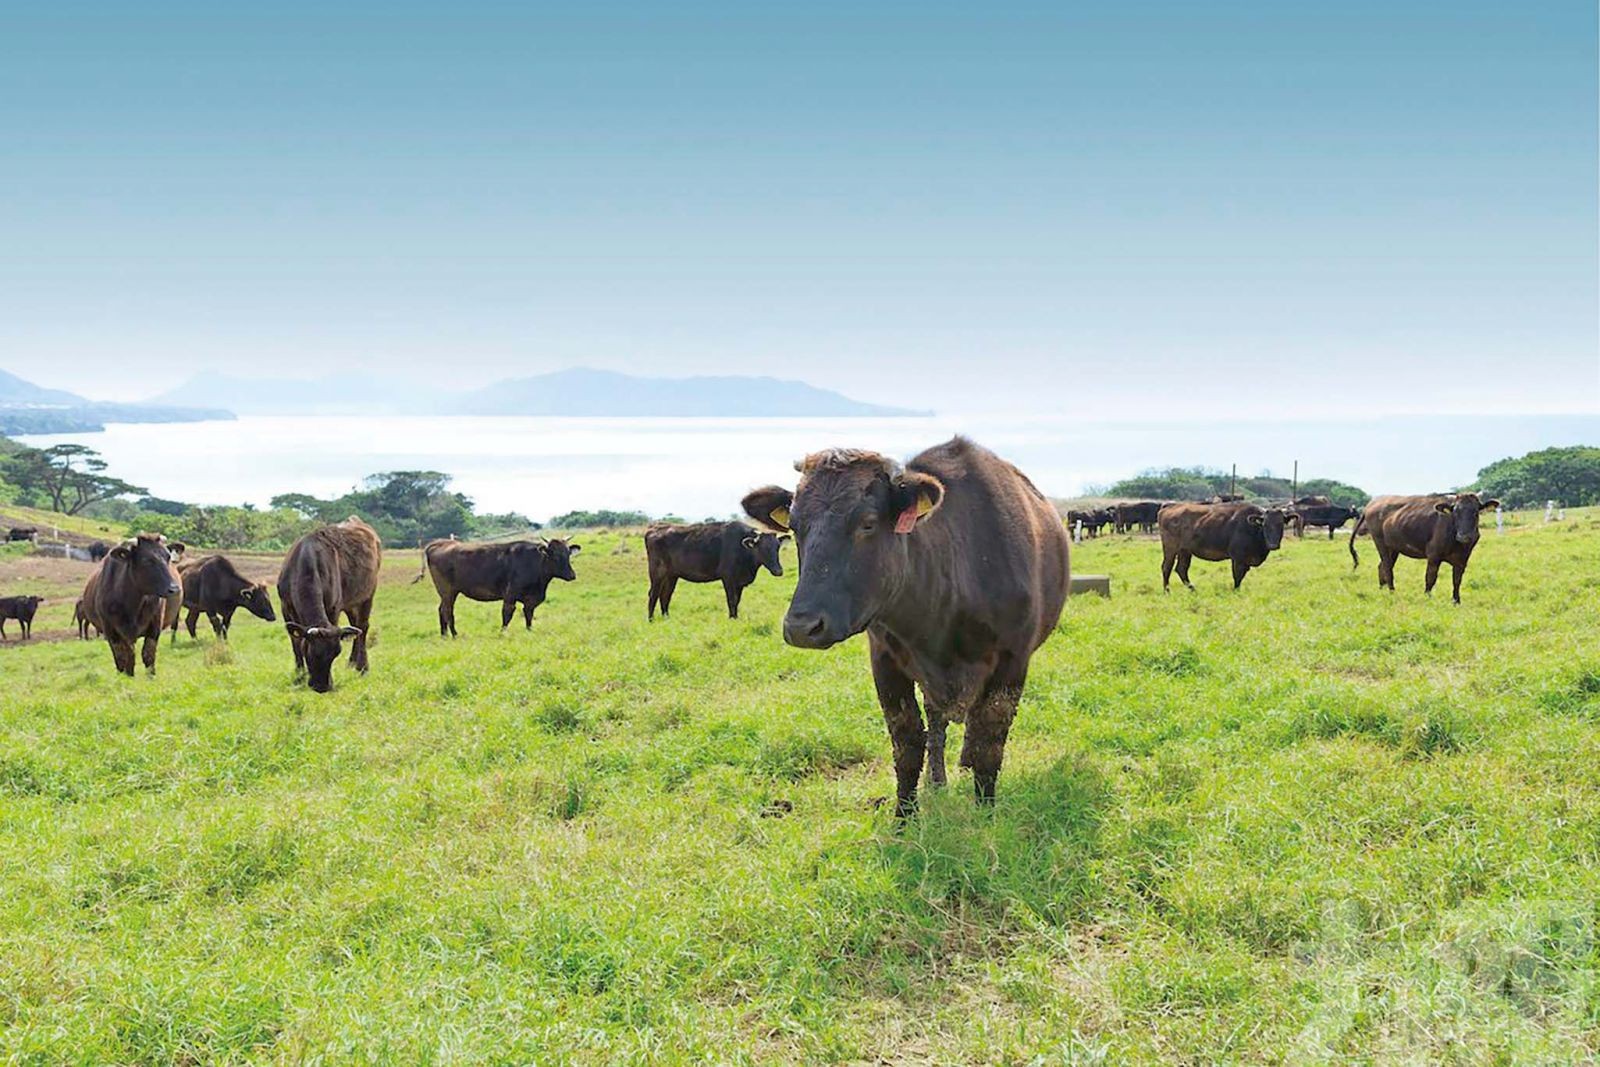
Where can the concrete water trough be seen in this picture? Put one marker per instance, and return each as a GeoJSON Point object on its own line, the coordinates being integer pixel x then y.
{"type": "Point", "coordinates": [1089, 583]}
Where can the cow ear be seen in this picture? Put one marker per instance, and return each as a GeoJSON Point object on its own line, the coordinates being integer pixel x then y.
{"type": "Point", "coordinates": [1258, 520]}
{"type": "Point", "coordinates": [782, 538]}
{"type": "Point", "coordinates": [1444, 507]}
{"type": "Point", "coordinates": [122, 551]}
{"type": "Point", "coordinates": [573, 550]}
{"type": "Point", "coordinates": [916, 496]}
{"type": "Point", "coordinates": [349, 631]}
{"type": "Point", "coordinates": [769, 506]}
{"type": "Point", "coordinates": [750, 540]}
{"type": "Point", "coordinates": [1491, 505]}
{"type": "Point", "coordinates": [177, 548]}
{"type": "Point", "coordinates": [295, 628]}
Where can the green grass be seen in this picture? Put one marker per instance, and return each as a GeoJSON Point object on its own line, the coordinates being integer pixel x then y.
{"type": "Point", "coordinates": [1310, 821]}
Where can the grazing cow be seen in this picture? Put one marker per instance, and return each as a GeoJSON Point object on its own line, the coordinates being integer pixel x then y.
{"type": "Point", "coordinates": [21, 608]}
{"type": "Point", "coordinates": [22, 533]}
{"type": "Point", "coordinates": [1320, 511]}
{"type": "Point", "coordinates": [126, 598]}
{"type": "Point", "coordinates": [955, 566]}
{"type": "Point", "coordinates": [1142, 515]}
{"type": "Point", "coordinates": [80, 619]}
{"type": "Point", "coordinates": [329, 571]}
{"type": "Point", "coordinates": [517, 572]}
{"type": "Point", "coordinates": [97, 551]}
{"type": "Point", "coordinates": [1242, 533]}
{"type": "Point", "coordinates": [726, 552]}
{"type": "Point", "coordinates": [213, 585]}
{"type": "Point", "coordinates": [1440, 528]}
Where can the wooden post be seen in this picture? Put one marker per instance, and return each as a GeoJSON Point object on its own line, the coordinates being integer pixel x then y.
{"type": "Point", "coordinates": [1232, 479]}
{"type": "Point", "coordinates": [1294, 486]}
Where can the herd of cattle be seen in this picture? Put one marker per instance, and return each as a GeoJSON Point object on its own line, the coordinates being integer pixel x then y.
{"type": "Point", "coordinates": [954, 565]}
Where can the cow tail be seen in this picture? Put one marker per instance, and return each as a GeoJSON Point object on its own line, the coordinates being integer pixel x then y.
{"type": "Point", "coordinates": [1355, 560]}
{"type": "Point", "coordinates": [422, 569]}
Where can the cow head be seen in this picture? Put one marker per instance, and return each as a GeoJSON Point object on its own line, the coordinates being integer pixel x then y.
{"type": "Point", "coordinates": [27, 606]}
{"type": "Point", "coordinates": [149, 561]}
{"type": "Point", "coordinates": [558, 559]}
{"type": "Point", "coordinates": [258, 602]}
{"type": "Point", "coordinates": [766, 548]}
{"type": "Point", "coordinates": [1463, 514]}
{"type": "Point", "coordinates": [320, 645]}
{"type": "Point", "coordinates": [1271, 523]}
{"type": "Point", "coordinates": [852, 515]}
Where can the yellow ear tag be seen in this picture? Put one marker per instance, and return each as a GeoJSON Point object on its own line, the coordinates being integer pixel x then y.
{"type": "Point", "coordinates": [780, 516]}
{"type": "Point", "coordinates": [924, 504]}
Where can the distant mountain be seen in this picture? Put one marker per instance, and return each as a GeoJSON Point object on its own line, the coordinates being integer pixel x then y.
{"type": "Point", "coordinates": [575, 392]}
{"type": "Point", "coordinates": [584, 392]}
{"type": "Point", "coordinates": [27, 408]}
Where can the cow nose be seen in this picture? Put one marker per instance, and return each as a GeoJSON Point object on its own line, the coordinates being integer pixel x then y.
{"type": "Point", "coordinates": [172, 587]}
{"type": "Point", "coordinates": [806, 630]}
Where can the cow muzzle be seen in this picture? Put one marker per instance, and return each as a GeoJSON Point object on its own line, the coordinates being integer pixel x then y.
{"type": "Point", "coordinates": [808, 629]}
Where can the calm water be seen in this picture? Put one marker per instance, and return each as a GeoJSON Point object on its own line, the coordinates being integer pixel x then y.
{"type": "Point", "coordinates": [701, 467]}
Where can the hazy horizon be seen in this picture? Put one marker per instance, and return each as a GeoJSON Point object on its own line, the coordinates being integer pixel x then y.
{"type": "Point", "coordinates": [1174, 210]}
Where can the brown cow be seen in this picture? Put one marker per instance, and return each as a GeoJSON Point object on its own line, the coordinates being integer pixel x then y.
{"type": "Point", "coordinates": [955, 566]}
{"type": "Point", "coordinates": [213, 585]}
{"type": "Point", "coordinates": [80, 618]}
{"type": "Point", "coordinates": [1440, 528]}
{"type": "Point", "coordinates": [329, 571]}
{"type": "Point", "coordinates": [516, 572]}
{"type": "Point", "coordinates": [21, 608]}
{"type": "Point", "coordinates": [726, 552]}
{"type": "Point", "coordinates": [1243, 533]}
{"type": "Point", "coordinates": [126, 598]}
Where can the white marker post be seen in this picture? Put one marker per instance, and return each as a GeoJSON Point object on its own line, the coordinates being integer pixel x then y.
{"type": "Point", "coordinates": [1549, 509]}
{"type": "Point", "coordinates": [1499, 520]}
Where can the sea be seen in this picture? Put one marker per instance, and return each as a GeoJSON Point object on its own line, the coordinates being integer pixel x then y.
{"type": "Point", "coordinates": [698, 468]}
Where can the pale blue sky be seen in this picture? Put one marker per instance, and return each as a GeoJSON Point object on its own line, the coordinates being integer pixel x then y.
{"type": "Point", "coordinates": [1157, 208]}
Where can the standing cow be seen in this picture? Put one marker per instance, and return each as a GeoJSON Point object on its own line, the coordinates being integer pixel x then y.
{"type": "Point", "coordinates": [1441, 528]}
{"type": "Point", "coordinates": [1140, 515]}
{"type": "Point", "coordinates": [329, 571]}
{"type": "Point", "coordinates": [518, 572]}
{"type": "Point", "coordinates": [22, 533]}
{"type": "Point", "coordinates": [80, 618]}
{"type": "Point", "coordinates": [213, 585]}
{"type": "Point", "coordinates": [1241, 533]}
{"type": "Point", "coordinates": [1320, 511]}
{"type": "Point", "coordinates": [726, 552]}
{"type": "Point", "coordinates": [955, 566]}
{"type": "Point", "coordinates": [127, 598]}
{"type": "Point", "coordinates": [21, 608]}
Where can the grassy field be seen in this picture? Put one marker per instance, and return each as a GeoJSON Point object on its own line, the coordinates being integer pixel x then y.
{"type": "Point", "coordinates": [1309, 821]}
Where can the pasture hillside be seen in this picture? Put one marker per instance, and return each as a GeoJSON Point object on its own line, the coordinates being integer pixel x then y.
{"type": "Point", "coordinates": [1310, 820]}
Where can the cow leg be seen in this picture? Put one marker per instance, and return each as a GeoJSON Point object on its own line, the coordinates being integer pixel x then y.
{"type": "Point", "coordinates": [190, 619]}
{"type": "Point", "coordinates": [360, 618]}
{"type": "Point", "coordinates": [1168, 558]}
{"type": "Point", "coordinates": [655, 595]}
{"type": "Point", "coordinates": [2, 629]}
{"type": "Point", "coordinates": [988, 723]}
{"type": "Point", "coordinates": [1386, 561]}
{"type": "Point", "coordinates": [897, 695]}
{"type": "Point", "coordinates": [122, 656]}
{"type": "Point", "coordinates": [1456, 572]}
{"type": "Point", "coordinates": [1431, 576]}
{"type": "Point", "coordinates": [668, 587]}
{"type": "Point", "coordinates": [1183, 567]}
{"type": "Point", "coordinates": [734, 593]}
{"type": "Point", "coordinates": [147, 651]}
{"type": "Point", "coordinates": [222, 622]}
{"type": "Point", "coordinates": [938, 723]}
{"type": "Point", "coordinates": [527, 612]}
{"type": "Point", "coordinates": [508, 611]}
{"type": "Point", "coordinates": [447, 615]}
{"type": "Point", "coordinates": [1240, 569]}
{"type": "Point", "coordinates": [1330, 533]}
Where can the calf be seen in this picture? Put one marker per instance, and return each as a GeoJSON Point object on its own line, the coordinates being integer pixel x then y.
{"type": "Point", "coordinates": [1440, 528]}
{"type": "Point", "coordinates": [518, 572]}
{"type": "Point", "coordinates": [213, 585]}
{"type": "Point", "coordinates": [726, 552]}
{"type": "Point", "coordinates": [1242, 533]}
{"type": "Point", "coordinates": [80, 618]}
{"type": "Point", "coordinates": [956, 568]}
{"type": "Point", "coordinates": [127, 597]}
{"type": "Point", "coordinates": [329, 571]}
{"type": "Point", "coordinates": [21, 608]}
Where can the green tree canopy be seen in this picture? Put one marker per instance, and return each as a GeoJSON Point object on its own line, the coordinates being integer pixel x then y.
{"type": "Point", "coordinates": [1570, 476]}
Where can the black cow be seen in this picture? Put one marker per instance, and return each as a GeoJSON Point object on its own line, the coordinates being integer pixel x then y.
{"type": "Point", "coordinates": [97, 551]}
{"type": "Point", "coordinates": [214, 586]}
{"type": "Point", "coordinates": [22, 533]}
{"type": "Point", "coordinates": [956, 568]}
{"type": "Point", "coordinates": [1242, 533]}
{"type": "Point", "coordinates": [1440, 528]}
{"type": "Point", "coordinates": [726, 552]}
{"type": "Point", "coordinates": [516, 572]}
{"type": "Point", "coordinates": [1320, 511]}
{"type": "Point", "coordinates": [21, 608]}
{"type": "Point", "coordinates": [126, 598]}
{"type": "Point", "coordinates": [1094, 520]}
{"type": "Point", "coordinates": [1141, 515]}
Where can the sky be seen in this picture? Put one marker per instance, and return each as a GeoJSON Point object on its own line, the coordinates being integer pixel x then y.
{"type": "Point", "coordinates": [1152, 210]}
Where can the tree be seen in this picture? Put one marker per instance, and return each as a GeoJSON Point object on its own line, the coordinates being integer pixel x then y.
{"type": "Point", "coordinates": [70, 476]}
{"type": "Point", "coordinates": [1568, 475]}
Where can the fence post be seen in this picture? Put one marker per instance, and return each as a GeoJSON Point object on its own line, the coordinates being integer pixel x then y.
{"type": "Point", "coordinates": [1499, 520]}
{"type": "Point", "coordinates": [1077, 531]}
{"type": "Point", "coordinates": [1549, 509]}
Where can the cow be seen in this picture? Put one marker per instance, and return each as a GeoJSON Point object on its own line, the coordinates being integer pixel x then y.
{"type": "Point", "coordinates": [727, 552]}
{"type": "Point", "coordinates": [1141, 514]}
{"type": "Point", "coordinates": [126, 598]}
{"type": "Point", "coordinates": [957, 569]}
{"type": "Point", "coordinates": [80, 619]}
{"type": "Point", "coordinates": [21, 608]}
{"type": "Point", "coordinates": [516, 572]}
{"type": "Point", "coordinates": [1320, 511]}
{"type": "Point", "coordinates": [1242, 533]}
{"type": "Point", "coordinates": [22, 533]}
{"type": "Point", "coordinates": [328, 571]}
{"type": "Point", "coordinates": [1093, 519]}
{"type": "Point", "coordinates": [212, 585]}
{"type": "Point", "coordinates": [97, 551]}
{"type": "Point", "coordinates": [1439, 528]}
